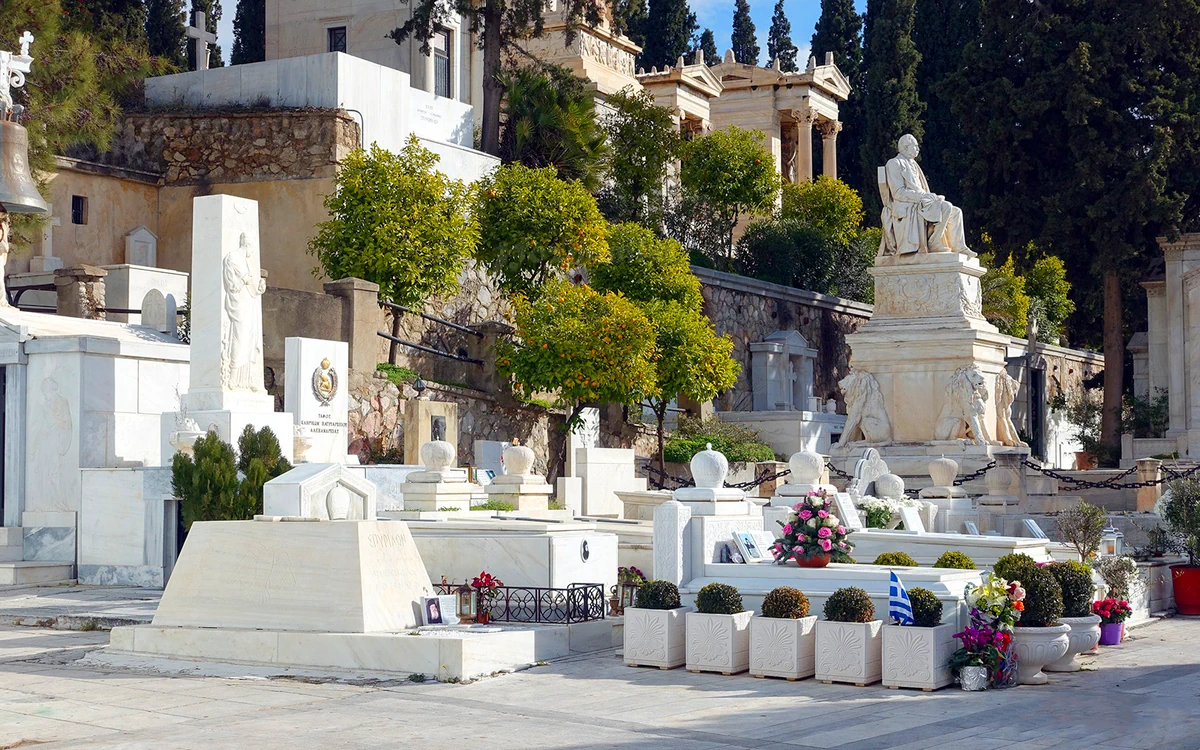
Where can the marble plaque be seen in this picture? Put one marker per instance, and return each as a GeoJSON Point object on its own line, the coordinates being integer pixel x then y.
{"type": "Point", "coordinates": [317, 379]}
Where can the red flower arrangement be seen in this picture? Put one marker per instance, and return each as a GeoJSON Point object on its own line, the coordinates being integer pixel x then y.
{"type": "Point", "coordinates": [1112, 610]}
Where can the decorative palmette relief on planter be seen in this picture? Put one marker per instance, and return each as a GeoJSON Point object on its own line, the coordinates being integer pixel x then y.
{"type": "Point", "coordinates": [849, 651]}
{"type": "Point", "coordinates": [718, 643]}
{"type": "Point", "coordinates": [916, 657]}
{"type": "Point", "coordinates": [655, 637]}
{"type": "Point", "coordinates": [783, 648]}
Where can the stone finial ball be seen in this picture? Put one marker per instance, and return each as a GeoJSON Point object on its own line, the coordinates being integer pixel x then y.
{"type": "Point", "coordinates": [806, 467]}
{"type": "Point", "coordinates": [889, 486]}
{"type": "Point", "coordinates": [518, 459]}
{"type": "Point", "coordinates": [709, 468]}
{"type": "Point", "coordinates": [943, 471]}
{"type": "Point", "coordinates": [438, 454]}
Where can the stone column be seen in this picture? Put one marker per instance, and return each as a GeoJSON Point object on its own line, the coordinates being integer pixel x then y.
{"type": "Point", "coordinates": [80, 291]}
{"type": "Point", "coordinates": [361, 319]}
{"type": "Point", "coordinates": [1191, 357]}
{"type": "Point", "coordinates": [1148, 470]}
{"type": "Point", "coordinates": [804, 162]}
{"type": "Point", "coordinates": [1156, 334]}
{"type": "Point", "coordinates": [1176, 379]}
{"type": "Point", "coordinates": [829, 130]}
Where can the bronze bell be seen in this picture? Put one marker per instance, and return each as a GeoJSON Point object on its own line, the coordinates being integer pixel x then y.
{"type": "Point", "coordinates": [18, 191]}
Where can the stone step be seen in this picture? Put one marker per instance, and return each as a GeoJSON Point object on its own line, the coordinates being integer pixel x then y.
{"type": "Point", "coordinates": [12, 545]}
{"type": "Point", "coordinates": [25, 573]}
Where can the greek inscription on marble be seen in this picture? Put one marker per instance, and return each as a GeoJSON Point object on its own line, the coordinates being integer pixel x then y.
{"type": "Point", "coordinates": [385, 541]}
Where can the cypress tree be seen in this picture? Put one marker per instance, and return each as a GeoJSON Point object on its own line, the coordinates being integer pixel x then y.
{"type": "Point", "coordinates": [629, 18]}
{"type": "Point", "coordinates": [164, 31]}
{"type": "Point", "coordinates": [669, 29]}
{"type": "Point", "coordinates": [941, 54]}
{"type": "Point", "coordinates": [212, 13]}
{"type": "Point", "coordinates": [779, 40]}
{"type": "Point", "coordinates": [839, 30]}
{"type": "Point", "coordinates": [249, 32]}
{"type": "Point", "coordinates": [891, 106]}
{"type": "Point", "coordinates": [117, 20]}
{"type": "Point", "coordinates": [744, 41]}
{"type": "Point", "coordinates": [708, 45]}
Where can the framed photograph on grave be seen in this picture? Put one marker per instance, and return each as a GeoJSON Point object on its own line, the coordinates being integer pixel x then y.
{"type": "Point", "coordinates": [438, 610]}
{"type": "Point", "coordinates": [911, 518]}
{"type": "Point", "coordinates": [749, 547]}
{"type": "Point", "coordinates": [847, 512]}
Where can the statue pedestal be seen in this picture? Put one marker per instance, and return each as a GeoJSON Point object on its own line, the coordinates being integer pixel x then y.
{"type": "Point", "coordinates": [525, 492]}
{"type": "Point", "coordinates": [928, 322]}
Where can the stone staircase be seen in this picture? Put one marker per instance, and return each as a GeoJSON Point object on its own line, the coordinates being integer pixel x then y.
{"type": "Point", "coordinates": [16, 571]}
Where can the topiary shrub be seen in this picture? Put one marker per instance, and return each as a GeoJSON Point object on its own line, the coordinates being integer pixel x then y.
{"type": "Point", "coordinates": [926, 607]}
{"type": "Point", "coordinates": [208, 484]}
{"type": "Point", "coordinates": [658, 595]}
{"type": "Point", "coordinates": [1011, 566]}
{"type": "Point", "coordinates": [850, 604]}
{"type": "Point", "coordinates": [896, 559]}
{"type": "Point", "coordinates": [719, 599]}
{"type": "Point", "coordinates": [1076, 583]}
{"type": "Point", "coordinates": [1043, 598]}
{"type": "Point", "coordinates": [955, 560]}
{"type": "Point", "coordinates": [785, 603]}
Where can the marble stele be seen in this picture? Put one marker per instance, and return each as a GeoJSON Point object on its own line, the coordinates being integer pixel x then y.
{"type": "Point", "coordinates": [225, 390]}
{"type": "Point", "coordinates": [317, 376]}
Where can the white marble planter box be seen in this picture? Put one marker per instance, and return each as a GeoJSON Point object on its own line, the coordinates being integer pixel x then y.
{"type": "Point", "coordinates": [783, 648]}
{"type": "Point", "coordinates": [718, 643]}
{"type": "Point", "coordinates": [916, 657]}
{"type": "Point", "coordinates": [850, 651]}
{"type": "Point", "coordinates": [655, 637]}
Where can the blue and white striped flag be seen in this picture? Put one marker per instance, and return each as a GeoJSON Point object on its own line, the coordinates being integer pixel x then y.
{"type": "Point", "coordinates": [899, 607]}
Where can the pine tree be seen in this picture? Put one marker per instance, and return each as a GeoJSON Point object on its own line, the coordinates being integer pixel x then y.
{"type": "Point", "coordinates": [839, 30]}
{"type": "Point", "coordinates": [212, 13]}
{"type": "Point", "coordinates": [708, 45]}
{"type": "Point", "coordinates": [891, 105]}
{"type": "Point", "coordinates": [164, 31]}
{"type": "Point", "coordinates": [629, 18]}
{"type": "Point", "coordinates": [1084, 137]}
{"type": "Point", "coordinates": [943, 146]}
{"type": "Point", "coordinates": [115, 20]}
{"type": "Point", "coordinates": [249, 32]}
{"type": "Point", "coordinates": [668, 30]}
{"type": "Point", "coordinates": [744, 41]}
{"type": "Point", "coordinates": [779, 40]}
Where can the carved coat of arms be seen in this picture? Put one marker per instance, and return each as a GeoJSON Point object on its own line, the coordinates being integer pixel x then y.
{"type": "Point", "coordinates": [325, 382]}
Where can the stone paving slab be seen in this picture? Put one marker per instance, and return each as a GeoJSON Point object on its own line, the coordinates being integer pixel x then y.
{"type": "Point", "coordinates": [77, 607]}
{"type": "Point", "coordinates": [56, 688]}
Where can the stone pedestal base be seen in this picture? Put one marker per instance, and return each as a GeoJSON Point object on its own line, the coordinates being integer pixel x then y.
{"type": "Point", "coordinates": [439, 495]}
{"type": "Point", "coordinates": [229, 425]}
{"type": "Point", "coordinates": [525, 497]}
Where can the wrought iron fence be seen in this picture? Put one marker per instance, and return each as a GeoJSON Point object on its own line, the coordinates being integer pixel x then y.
{"type": "Point", "coordinates": [579, 602]}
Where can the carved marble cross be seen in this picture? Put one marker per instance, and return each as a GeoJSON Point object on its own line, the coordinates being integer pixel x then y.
{"type": "Point", "coordinates": [25, 40]}
{"type": "Point", "coordinates": [12, 74]}
{"type": "Point", "coordinates": [202, 38]}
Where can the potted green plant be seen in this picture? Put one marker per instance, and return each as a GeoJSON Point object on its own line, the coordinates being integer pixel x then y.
{"type": "Point", "coordinates": [1075, 580]}
{"type": "Point", "coordinates": [1082, 526]}
{"type": "Point", "coordinates": [718, 632]}
{"type": "Point", "coordinates": [849, 641]}
{"type": "Point", "coordinates": [918, 655]}
{"type": "Point", "coordinates": [1038, 638]}
{"type": "Point", "coordinates": [955, 560]}
{"type": "Point", "coordinates": [783, 640]}
{"type": "Point", "coordinates": [895, 560]}
{"type": "Point", "coordinates": [1083, 411]}
{"type": "Point", "coordinates": [1181, 510]}
{"type": "Point", "coordinates": [654, 629]}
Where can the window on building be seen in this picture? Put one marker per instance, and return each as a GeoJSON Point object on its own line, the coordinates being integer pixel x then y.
{"type": "Point", "coordinates": [441, 62]}
{"type": "Point", "coordinates": [337, 38]}
{"type": "Point", "coordinates": [79, 209]}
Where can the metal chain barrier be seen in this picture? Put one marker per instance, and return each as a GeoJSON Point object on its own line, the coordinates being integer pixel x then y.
{"type": "Point", "coordinates": [1112, 483]}
{"type": "Point", "coordinates": [659, 480]}
{"type": "Point", "coordinates": [977, 474]}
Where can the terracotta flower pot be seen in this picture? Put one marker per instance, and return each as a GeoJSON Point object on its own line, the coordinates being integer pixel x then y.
{"type": "Point", "coordinates": [1185, 580]}
{"type": "Point", "coordinates": [816, 561]}
{"type": "Point", "coordinates": [1084, 461]}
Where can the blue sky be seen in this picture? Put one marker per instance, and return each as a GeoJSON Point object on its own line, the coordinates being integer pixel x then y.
{"type": "Point", "coordinates": [714, 14]}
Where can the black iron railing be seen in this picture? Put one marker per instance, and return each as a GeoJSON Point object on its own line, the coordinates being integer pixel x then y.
{"type": "Point", "coordinates": [579, 602]}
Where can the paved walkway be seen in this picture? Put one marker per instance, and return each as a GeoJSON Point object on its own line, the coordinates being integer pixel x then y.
{"type": "Point", "coordinates": [72, 607]}
{"type": "Point", "coordinates": [55, 688]}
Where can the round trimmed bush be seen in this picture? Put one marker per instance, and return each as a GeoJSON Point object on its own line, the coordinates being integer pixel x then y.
{"type": "Point", "coordinates": [658, 595]}
{"type": "Point", "coordinates": [955, 560]}
{"type": "Point", "coordinates": [1012, 566]}
{"type": "Point", "coordinates": [719, 599]}
{"type": "Point", "coordinates": [850, 604]}
{"type": "Point", "coordinates": [785, 603]}
{"type": "Point", "coordinates": [1043, 598]}
{"type": "Point", "coordinates": [927, 609]}
{"type": "Point", "coordinates": [1076, 583]}
{"type": "Point", "coordinates": [895, 559]}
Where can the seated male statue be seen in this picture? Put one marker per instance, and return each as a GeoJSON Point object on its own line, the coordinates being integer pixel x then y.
{"type": "Point", "coordinates": [916, 220]}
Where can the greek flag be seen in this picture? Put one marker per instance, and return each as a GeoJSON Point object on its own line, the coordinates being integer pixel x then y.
{"type": "Point", "coordinates": [899, 607]}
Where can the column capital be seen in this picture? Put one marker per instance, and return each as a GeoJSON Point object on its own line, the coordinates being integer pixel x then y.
{"type": "Point", "coordinates": [829, 128]}
{"type": "Point", "coordinates": [804, 115]}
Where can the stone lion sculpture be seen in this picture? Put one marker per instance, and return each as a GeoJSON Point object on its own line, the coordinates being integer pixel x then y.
{"type": "Point", "coordinates": [961, 417]}
{"type": "Point", "coordinates": [866, 417]}
{"type": "Point", "coordinates": [1006, 394]}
